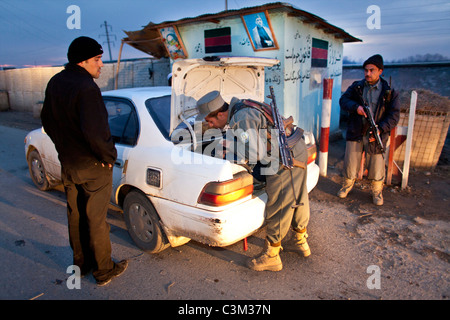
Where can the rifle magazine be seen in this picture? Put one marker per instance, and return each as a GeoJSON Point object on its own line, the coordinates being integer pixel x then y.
{"type": "Point", "coordinates": [294, 137]}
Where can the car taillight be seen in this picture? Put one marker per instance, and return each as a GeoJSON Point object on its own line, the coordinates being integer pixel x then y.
{"type": "Point", "coordinates": [222, 193]}
{"type": "Point", "coordinates": [312, 153]}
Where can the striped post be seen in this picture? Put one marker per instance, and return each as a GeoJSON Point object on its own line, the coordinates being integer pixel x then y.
{"type": "Point", "coordinates": [325, 126]}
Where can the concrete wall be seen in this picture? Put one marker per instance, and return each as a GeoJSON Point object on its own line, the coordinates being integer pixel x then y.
{"type": "Point", "coordinates": [22, 89]}
{"type": "Point", "coordinates": [431, 76]}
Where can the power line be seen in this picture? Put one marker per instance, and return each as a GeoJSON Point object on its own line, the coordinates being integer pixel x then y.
{"type": "Point", "coordinates": [107, 37]}
{"type": "Point", "coordinates": [29, 28]}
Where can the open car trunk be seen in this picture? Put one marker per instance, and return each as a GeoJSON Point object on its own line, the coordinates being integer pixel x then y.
{"type": "Point", "coordinates": [240, 77]}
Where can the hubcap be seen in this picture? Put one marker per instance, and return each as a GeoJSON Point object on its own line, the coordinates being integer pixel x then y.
{"type": "Point", "coordinates": [141, 222]}
{"type": "Point", "coordinates": [38, 171]}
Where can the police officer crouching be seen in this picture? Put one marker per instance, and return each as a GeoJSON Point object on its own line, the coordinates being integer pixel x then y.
{"type": "Point", "coordinates": [243, 116]}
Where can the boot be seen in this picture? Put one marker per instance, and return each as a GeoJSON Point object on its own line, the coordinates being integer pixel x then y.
{"type": "Point", "coordinates": [269, 259]}
{"type": "Point", "coordinates": [298, 244]}
{"type": "Point", "coordinates": [377, 196]}
{"type": "Point", "coordinates": [346, 187]}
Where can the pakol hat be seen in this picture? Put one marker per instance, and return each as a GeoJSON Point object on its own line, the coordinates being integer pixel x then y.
{"type": "Point", "coordinates": [376, 60]}
{"type": "Point", "coordinates": [83, 48]}
{"type": "Point", "coordinates": [210, 102]}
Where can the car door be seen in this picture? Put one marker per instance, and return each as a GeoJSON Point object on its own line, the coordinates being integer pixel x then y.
{"type": "Point", "coordinates": [124, 126]}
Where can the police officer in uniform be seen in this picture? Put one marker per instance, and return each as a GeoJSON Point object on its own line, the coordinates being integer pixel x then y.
{"type": "Point", "coordinates": [384, 105]}
{"type": "Point", "coordinates": [242, 118]}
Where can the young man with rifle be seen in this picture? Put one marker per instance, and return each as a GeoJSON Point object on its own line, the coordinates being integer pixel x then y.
{"type": "Point", "coordinates": [374, 110]}
{"type": "Point", "coordinates": [251, 125]}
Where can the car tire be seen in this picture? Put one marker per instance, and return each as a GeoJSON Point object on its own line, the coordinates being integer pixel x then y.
{"type": "Point", "coordinates": [143, 223]}
{"type": "Point", "coordinates": [37, 171]}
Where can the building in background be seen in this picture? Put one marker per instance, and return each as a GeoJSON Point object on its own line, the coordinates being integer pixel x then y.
{"type": "Point", "coordinates": [309, 50]}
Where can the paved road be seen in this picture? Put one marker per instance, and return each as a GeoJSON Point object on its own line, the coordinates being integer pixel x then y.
{"type": "Point", "coordinates": [35, 255]}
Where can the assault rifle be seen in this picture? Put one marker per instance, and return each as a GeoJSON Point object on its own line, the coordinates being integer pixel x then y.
{"type": "Point", "coordinates": [280, 125]}
{"type": "Point", "coordinates": [287, 160]}
{"type": "Point", "coordinates": [373, 128]}
{"type": "Point", "coordinates": [285, 152]}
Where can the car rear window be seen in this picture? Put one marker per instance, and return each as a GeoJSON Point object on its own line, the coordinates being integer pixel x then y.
{"type": "Point", "coordinates": [159, 109]}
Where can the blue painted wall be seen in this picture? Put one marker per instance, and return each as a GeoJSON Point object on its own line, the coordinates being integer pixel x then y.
{"type": "Point", "coordinates": [298, 86]}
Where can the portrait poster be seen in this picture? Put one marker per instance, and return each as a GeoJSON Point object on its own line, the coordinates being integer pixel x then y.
{"type": "Point", "coordinates": [259, 31]}
{"type": "Point", "coordinates": [173, 42]}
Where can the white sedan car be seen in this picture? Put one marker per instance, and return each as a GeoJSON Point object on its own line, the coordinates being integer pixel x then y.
{"type": "Point", "coordinates": [171, 189]}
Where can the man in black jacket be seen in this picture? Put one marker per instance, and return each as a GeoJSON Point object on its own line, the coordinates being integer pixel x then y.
{"type": "Point", "coordinates": [75, 118]}
{"type": "Point", "coordinates": [383, 103]}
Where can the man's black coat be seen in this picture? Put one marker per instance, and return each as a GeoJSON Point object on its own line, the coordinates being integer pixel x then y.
{"type": "Point", "coordinates": [75, 118]}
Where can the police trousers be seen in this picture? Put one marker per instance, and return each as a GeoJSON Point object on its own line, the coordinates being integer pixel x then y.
{"type": "Point", "coordinates": [280, 213]}
{"type": "Point", "coordinates": [352, 163]}
{"type": "Point", "coordinates": [88, 193]}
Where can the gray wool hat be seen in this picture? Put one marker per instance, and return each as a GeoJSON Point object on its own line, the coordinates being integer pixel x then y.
{"type": "Point", "coordinates": [210, 102]}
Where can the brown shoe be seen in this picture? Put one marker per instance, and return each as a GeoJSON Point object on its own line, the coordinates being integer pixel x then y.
{"type": "Point", "coordinates": [377, 193]}
{"type": "Point", "coordinates": [298, 244]}
{"type": "Point", "coordinates": [117, 270]}
{"type": "Point", "coordinates": [268, 260]}
{"type": "Point", "coordinates": [346, 188]}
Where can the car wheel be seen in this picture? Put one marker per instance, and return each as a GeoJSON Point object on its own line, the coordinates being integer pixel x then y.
{"type": "Point", "coordinates": [143, 223]}
{"type": "Point", "coordinates": [37, 171]}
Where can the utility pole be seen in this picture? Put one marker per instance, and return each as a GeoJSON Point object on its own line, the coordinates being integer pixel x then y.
{"type": "Point", "coordinates": [107, 38]}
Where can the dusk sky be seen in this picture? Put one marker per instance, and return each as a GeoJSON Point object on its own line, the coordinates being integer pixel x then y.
{"type": "Point", "coordinates": [35, 32]}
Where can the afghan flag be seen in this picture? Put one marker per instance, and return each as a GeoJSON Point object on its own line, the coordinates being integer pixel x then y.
{"type": "Point", "coordinates": [319, 53]}
{"type": "Point", "coordinates": [218, 40]}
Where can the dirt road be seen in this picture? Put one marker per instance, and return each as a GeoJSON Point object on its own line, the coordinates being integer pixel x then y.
{"type": "Point", "coordinates": [359, 251]}
{"type": "Point", "coordinates": [407, 237]}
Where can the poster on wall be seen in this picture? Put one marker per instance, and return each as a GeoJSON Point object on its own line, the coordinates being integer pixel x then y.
{"type": "Point", "coordinates": [259, 30]}
{"type": "Point", "coordinates": [173, 43]}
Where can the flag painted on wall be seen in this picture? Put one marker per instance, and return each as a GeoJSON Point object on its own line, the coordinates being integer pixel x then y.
{"type": "Point", "coordinates": [319, 53]}
{"type": "Point", "coordinates": [218, 40]}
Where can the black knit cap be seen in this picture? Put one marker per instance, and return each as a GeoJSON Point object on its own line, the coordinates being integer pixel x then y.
{"type": "Point", "coordinates": [83, 48]}
{"type": "Point", "coordinates": [376, 60]}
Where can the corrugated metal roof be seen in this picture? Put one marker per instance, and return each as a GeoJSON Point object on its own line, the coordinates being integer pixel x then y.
{"type": "Point", "coordinates": [149, 40]}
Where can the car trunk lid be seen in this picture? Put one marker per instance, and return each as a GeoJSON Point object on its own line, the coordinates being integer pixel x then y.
{"type": "Point", "coordinates": [240, 77]}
